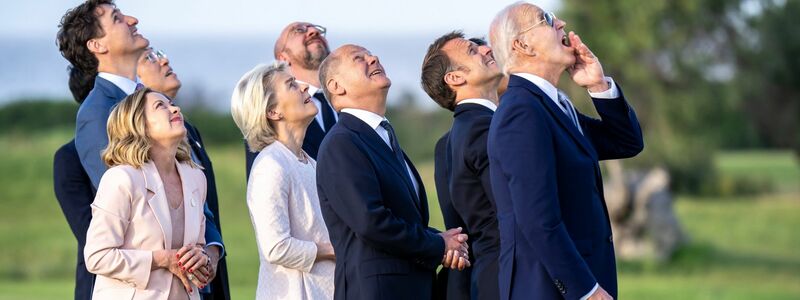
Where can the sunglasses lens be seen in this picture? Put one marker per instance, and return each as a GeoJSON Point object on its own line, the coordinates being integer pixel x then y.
{"type": "Point", "coordinates": [548, 17]}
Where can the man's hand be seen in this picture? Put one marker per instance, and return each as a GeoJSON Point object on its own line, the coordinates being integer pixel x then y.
{"type": "Point", "coordinates": [600, 294]}
{"type": "Point", "coordinates": [587, 71]}
{"type": "Point", "coordinates": [456, 249]}
{"type": "Point", "coordinates": [213, 252]}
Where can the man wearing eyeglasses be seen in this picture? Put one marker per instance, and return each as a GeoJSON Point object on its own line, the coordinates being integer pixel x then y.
{"type": "Point", "coordinates": [303, 46]}
{"type": "Point", "coordinates": [555, 232]}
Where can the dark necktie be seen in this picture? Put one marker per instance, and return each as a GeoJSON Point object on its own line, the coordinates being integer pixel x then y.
{"type": "Point", "coordinates": [398, 153]}
{"type": "Point", "coordinates": [327, 112]}
{"type": "Point", "coordinates": [563, 100]}
{"type": "Point", "coordinates": [139, 86]}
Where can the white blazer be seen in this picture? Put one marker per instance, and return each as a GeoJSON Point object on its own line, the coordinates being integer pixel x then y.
{"type": "Point", "coordinates": [127, 226]}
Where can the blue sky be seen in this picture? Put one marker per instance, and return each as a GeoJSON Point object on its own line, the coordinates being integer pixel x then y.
{"type": "Point", "coordinates": [252, 17]}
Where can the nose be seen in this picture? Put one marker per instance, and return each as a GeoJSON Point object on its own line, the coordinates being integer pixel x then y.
{"type": "Point", "coordinates": [174, 109]}
{"type": "Point", "coordinates": [312, 31]}
{"type": "Point", "coordinates": [560, 24]}
{"type": "Point", "coordinates": [372, 59]}
{"type": "Point", "coordinates": [132, 20]}
{"type": "Point", "coordinates": [304, 88]}
{"type": "Point", "coordinates": [485, 50]}
{"type": "Point", "coordinates": [163, 61]}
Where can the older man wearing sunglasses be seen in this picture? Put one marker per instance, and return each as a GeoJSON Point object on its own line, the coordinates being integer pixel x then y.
{"type": "Point", "coordinates": [555, 233]}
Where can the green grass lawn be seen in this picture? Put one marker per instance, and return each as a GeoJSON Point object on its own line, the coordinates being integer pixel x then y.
{"type": "Point", "coordinates": [741, 248]}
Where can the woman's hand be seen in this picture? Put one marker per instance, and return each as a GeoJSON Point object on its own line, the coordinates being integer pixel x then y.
{"type": "Point", "coordinates": [325, 251]}
{"type": "Point", "coordinates": [169, 259]}
{"type": "Point", "coordinates": [194, 261]}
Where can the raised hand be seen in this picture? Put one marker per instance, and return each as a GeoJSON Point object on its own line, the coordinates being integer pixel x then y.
{"type": "Point", "coordinates": [587, 70]}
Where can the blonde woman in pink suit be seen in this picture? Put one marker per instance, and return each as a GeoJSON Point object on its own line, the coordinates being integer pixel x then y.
{"type": "Point", "coordinates": [146, 237]}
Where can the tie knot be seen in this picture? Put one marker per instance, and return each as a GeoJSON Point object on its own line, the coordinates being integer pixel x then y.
{"type": "Point", "coordinates": [385, 124]}
{"type": "Point", "coordinates": [320, 96]}
{"type": "Point", "coordinates": [139, 86]}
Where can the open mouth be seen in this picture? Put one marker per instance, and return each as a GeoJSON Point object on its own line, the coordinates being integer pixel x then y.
{"type": "Point", "coordinates": [565, 41]}
{"type": "Point", "coordinates": [176, 119]}
{"type": "Point", "coordinates": [169, 72]}
{"type": "Point", "coordinates": [376, 72]}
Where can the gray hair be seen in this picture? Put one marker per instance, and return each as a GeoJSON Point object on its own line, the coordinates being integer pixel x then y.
{"type": "Point", "coordinates": [253, 96]}
{"type": "Point", "coordinates": [505, 28]}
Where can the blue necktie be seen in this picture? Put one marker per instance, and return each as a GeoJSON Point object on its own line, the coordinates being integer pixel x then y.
{"type": "Point", "coordinates": [327, 112]}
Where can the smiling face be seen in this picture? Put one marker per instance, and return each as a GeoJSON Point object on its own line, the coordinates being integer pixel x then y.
{"type": "Point", "coordinates": [164, 121]}
{"type": "Point", "coordinates": [361, 73]}
{"type": "Point", "coordinates": [550, 43]}
{"type": "Point", "coordinates": [302, 44]}
{"type": "Point", "coordinates": [119, 33]}
{"type": "Point", "coordinates": [156, 73]}
{"type": "Point", "coordinates": [474, 63]}
{"type": "Point", "coordinates": [292, 102]}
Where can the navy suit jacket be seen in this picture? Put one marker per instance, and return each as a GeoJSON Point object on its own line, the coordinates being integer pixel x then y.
{"type": "Point", "coordinates": [471, 192]}
{"type": "Point", "coordinates": [377, 222]}
{"type": "Point", "coordinates": [554, 227]}
{"type": "Point", "coordinates": [451, 284]}
{"type": "Point", "coordinates": [75, 193]}
{"type": "Point", "coordinates": [311, 142]}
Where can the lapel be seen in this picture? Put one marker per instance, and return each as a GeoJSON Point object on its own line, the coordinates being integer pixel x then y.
{"type": "Point", "coordinates": [109, 90]}
{"type": "Point", "coordinates": [371, 138]}
{"type": "Point", "coordinates": [158, 203]}
{"type": "Point", "coordinates": [191, 202]}
{"type": "Point", "coordinates": [555, 112]}
{"type": "Point", "coordinates": [194, 143]}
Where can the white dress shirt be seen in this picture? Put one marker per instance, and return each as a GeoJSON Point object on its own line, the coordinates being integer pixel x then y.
{"type": "Point", "coordinates": [484, 102]}
{"type": "Point", "coordinates": [552, 92]}
{"type": "Point", "coordinates": [126, 85]}
{"type": "Point", "coordinates": [374, 121]}
{"type": "Point", "coordinates": [320, 121]}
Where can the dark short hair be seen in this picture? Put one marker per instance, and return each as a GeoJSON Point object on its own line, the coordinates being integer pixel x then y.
{"type": "Point", "coordinates": [434, 66]}
{"type": "Point", "coordinates": [79, 25]}
{"type": "Point", "coordinates": [480, 41]}
{"type": "Point", "coordinates": [80, 83]}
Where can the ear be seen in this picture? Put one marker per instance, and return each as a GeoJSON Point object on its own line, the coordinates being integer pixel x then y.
{"type": "Point", "coordinates": [274, 116]}
{"type": "Point", "coordinates": [455, 78]}
{"type": "Point", "coordinates": [95, 46]}
{"type": "Point", "coordinates": [284, 58]}
{"type": "Point", "coordinates": [335, 88]}
{"type": "Point", "coordinates": [522, 47]}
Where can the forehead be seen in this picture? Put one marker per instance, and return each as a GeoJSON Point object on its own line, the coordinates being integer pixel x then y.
{"type": "Point", "coordinates": [105, 11]}
{"type": "Point", "coordinates": [456, 44]}
{"type": "Point", "coordinates": [352, 51]}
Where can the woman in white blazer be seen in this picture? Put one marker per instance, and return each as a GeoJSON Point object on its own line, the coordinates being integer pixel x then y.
{"type": "Point", "coordinates": [273, 111]}
{"type": "Point", "coordinates": [146, 237]}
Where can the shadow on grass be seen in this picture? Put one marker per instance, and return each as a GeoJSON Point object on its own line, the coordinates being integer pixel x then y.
{"type": "Point", "coordinates": [704, 257]}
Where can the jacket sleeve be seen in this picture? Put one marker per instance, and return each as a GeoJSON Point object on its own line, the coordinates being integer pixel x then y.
{"type": "Point", "coordinates": [617, 133]}
{"type": "Point", "coordinates": [349, 181]}
{"type": "Point", "coordinates": [91, 138]}
{"type": "Point", "coordinates": [111, 214]}
{"type": "Point", "coordinates": [523, 151]}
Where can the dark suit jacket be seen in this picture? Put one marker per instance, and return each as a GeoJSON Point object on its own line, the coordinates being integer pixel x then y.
{"type": "Point", "coordinates": [555, 233]}
{"type": "Point", "coordinates": [451, 284]}
{"type": "Point", "coordinates": [91, 136]}
{"type": "Point", "coordinates": [314, 136]}
{"type": "Point", "coordinates": [471, 192]}
{"type": "Point", "coordinates": [219, 286]}
{"type": "Point", "coordinates": [75, 193]}
{"type": "Point", "coordinates": [377, 222]}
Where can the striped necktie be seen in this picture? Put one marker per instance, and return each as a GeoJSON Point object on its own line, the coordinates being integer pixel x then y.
{"type": "Point", "coordinates": [569, 110]}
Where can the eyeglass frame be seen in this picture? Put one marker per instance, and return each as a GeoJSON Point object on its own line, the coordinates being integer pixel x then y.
{"type": "Point", "coordinates": [545, 16]}
{"type": "Point", "coordinates": [302, 29]}
{"type": "Point", "coordinates": [155, 55]}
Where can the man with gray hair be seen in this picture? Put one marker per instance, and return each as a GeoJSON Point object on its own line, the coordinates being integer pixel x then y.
{"type": "Point", "coordinates": [555, 232]}
{"type": "Point", "coordinates": [303, 47]}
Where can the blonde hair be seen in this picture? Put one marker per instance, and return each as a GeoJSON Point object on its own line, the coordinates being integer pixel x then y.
{"type": "Point", "coordinates": [505, 29]}
{"type": "Point", "coordinates": [128, 143]}
{"type": "Point", "coordinates": [253, 96]}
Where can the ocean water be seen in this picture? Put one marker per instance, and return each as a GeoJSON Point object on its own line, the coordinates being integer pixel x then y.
{"type": "Point", "coordinates": [209, 67]}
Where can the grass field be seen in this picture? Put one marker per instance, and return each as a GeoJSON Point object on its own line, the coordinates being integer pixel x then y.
{"type": "Point", "coordinates": [741, 248]}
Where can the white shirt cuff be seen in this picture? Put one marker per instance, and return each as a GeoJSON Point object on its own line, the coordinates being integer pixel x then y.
{"type": "Point", "coordinates": [221, 248]}
{"type": "Point", "coordinates": [594, 289]}
{"type": "Point", "coordinates": [610, 93]}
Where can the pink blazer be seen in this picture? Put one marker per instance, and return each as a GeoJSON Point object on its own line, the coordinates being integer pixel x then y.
{"type": "Point", "coordinates": [127, 226]}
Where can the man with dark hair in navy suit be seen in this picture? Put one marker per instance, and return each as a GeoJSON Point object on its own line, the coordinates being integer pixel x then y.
{"type": "Point", "coordinates": [101, 44]}
{"type": "Point", "coordinates": [462, 76]}
{"type": "Point", "coordinates": [303, 46]}
{"type": "Point", "coordinates": [372, 197]}
{"type": "Point", "coordinates": [555, 232]}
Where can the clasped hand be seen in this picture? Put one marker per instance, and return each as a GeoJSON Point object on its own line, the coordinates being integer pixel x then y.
{"type": "Point", "coordinates": [456, 249]}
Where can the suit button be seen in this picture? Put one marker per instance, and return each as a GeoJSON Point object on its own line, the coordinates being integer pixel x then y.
{"type": "Point", "coordinates": [560, 286]}
{"type": "Point", "coordinates": [611, 239]}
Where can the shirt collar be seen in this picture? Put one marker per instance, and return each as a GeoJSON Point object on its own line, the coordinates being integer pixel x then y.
{"type": "Point", "coordinates": [487, 103]}
{"type": "Point", "coordinates": [547, 87]}
{"type": "Point", "coordinates": [372, 119]}
{"type": "Point", "coordinates": [126, 85]}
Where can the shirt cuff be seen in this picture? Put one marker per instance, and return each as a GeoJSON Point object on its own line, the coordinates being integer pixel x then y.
{"type": "Point", "coordinates": [594, 289]}
{"type": "Point", "coordinates": [610, 93]}
{"type": "Point", "coordinates": [221, 248]}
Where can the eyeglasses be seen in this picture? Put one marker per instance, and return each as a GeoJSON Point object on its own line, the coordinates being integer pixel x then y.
{"type": "Point", "coordinates": [155, 55]}
{"type": "Point", "coordinates": [549, 18]}
{"type": "Point", "coordinates": [303, 29]}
